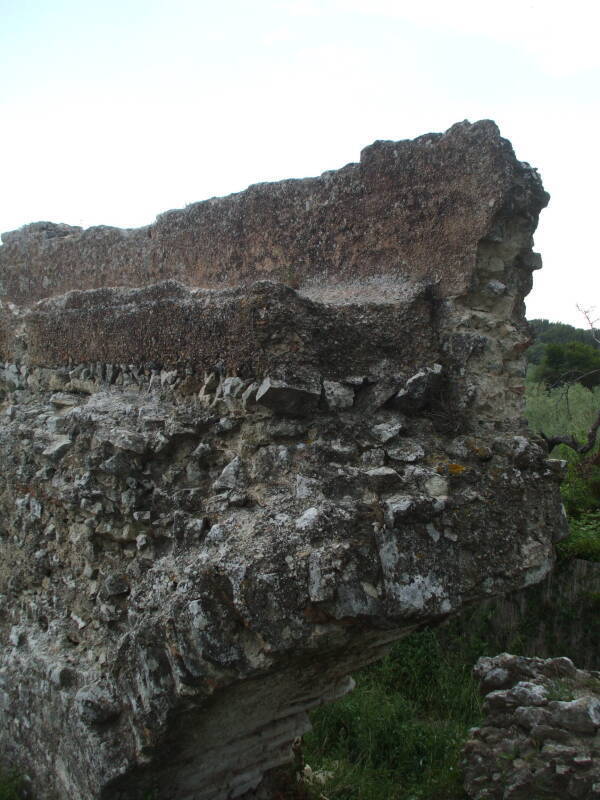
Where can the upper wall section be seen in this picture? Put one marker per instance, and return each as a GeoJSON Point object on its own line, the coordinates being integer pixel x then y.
{"type": "Point", "coordinates": [411, 209]}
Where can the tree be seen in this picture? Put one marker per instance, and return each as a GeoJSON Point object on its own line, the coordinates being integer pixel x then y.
{"type": "Point", "coordinates": [546, 332]}
{"type": "Point", "coordinates": [572, 362]}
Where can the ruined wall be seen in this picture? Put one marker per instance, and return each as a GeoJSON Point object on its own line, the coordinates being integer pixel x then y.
{"type": "Point", "coordinates": [539, 738]}
{"type": "Point", "coordinates": [416, 207]}
{"type": "Point", "coordinates": [218, 502]}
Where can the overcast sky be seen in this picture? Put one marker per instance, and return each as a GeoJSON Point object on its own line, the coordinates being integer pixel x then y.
{"type": "Point", "coordinates": [114, 111]}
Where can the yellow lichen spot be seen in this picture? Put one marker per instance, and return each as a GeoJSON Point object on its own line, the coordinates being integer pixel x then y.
{"type": "Point", "coordinates": [456, 469]}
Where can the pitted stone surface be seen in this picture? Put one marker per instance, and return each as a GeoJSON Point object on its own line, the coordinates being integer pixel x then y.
{"type": "Point", "coordinates": [216, 503]}
{"type": "Point", "coordinates": [418, 208]}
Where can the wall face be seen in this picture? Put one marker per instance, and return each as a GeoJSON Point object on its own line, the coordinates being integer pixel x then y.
{"type": "Point", "coordinates": [539, 737]}
{"type": "Point", "coordinates": [408, 208]}
{"type": "Point", "coordinates": [217, 503]}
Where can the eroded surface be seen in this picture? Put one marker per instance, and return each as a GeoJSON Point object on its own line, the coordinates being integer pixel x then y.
{"type": "Point", "coordinates": [217, 503]}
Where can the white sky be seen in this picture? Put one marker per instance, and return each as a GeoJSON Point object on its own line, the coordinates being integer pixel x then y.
{"type": "Point", "coordinates": [111, 112]}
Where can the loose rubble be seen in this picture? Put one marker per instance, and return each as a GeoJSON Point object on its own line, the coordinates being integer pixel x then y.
{"type": "Point", "coordinates": [540, 735]}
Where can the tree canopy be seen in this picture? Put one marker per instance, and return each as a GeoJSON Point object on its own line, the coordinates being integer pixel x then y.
{"type": "Point", "coordinates": [546, 332]}
{"type": "Point", "coordinates": [573, 362]}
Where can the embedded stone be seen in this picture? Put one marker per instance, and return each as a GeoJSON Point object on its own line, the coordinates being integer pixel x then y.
{"type": "Point", "coordinates": [57, 448]}
{"type": "Point", "coordinates": [287, 398]}
{"type": "Point", "coordinates": [418, 389]}
{"type": "Point", "coordinates": [337, 396]}
{"type": "Point", "coordinates": [230, 477]}
{"type": "Point", "coordinates": [96, 705]}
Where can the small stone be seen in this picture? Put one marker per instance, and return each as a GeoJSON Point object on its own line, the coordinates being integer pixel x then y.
{"type": "Point", "coordinates": [129, 441]}
{"type": "Point", "coordinates": [400, 508]}
{"type": "Point", "coordinates": [226, 424]}
{"type": "Point", "coordinates": [418, 389]}
{"type": "Point", "coordinates": [436, 486]}
{"type": "Point", "coordinates": [232, 387]}
{"type": "Point", "coordinates": [115, 585]}
{"type": "Point", "coordinates": [230, 477]}
{"type": "Point", "coordinates": [337, 396]}
{"type": "Point", "coordinates": [371, 398]}
{"type": "Point", "coordinates": [202, 451]}
{"type": "Point", "coordinates": [408, 452]}
{"type": "Point", "coordinates": [374, 457]}
{"type": "Point", "coordinates": [16, 636]}
{"type": "Point", "coordinates": [496, 288]}
{"type": "Point", "coordinates": [308, 519]}
{"type": "Point", "coordinates": [385, 431]}
{"type": "Point", "coordinates": [216, 534]}
{"type": "Point", "coordinates": [495, 679]}
{"type": "Point", "coordinates": [210, 384]}
{"type": "Point", "coordinates": [249, 396]}
{"type": "Point", "coordinates": [581, 715]}
{"type": "Point", "coordinates": [168, 377]}
{"type": "Point", "coordinates": [57, 448]}
{"type": "Point", "coordinates": [286, 398]}
{"type": "Point", "coordinates": [62, 399]}
{"type": "Point", "coordinates": [382, 478]}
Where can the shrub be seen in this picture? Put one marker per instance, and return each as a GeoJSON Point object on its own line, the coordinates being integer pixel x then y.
{"type": "Point", "coordinates": [584, 539]}
{"type": "Point", "coordinates": [569, 411]}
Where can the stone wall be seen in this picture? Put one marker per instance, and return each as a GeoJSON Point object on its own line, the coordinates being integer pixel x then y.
{"type": "Point", "coordinates": [264, 328]}
{"type": "Point", "coordinates": [418, 208]}
{"type": "Point", "coordinates": [216, 503]}
{"type": "Point", "coordinates": [539, 738]}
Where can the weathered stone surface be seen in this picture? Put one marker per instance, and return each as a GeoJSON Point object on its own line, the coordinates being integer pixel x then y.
{"type": "Point", "coordinates": [420, 207]}
{"type": "Point", "coordinates": [267, 328]}
{"type": "Point", "coordinates": [212, 508]}
{"type": "Point", "coordinates": [540, 735]}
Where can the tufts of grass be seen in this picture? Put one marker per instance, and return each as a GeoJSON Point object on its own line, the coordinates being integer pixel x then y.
{"type": "Point", "coordinates": [561, 690]}
{"type": "Point", "coordinates": [398, 736]}
{"type": "Point", "coordinates": [584, 539]}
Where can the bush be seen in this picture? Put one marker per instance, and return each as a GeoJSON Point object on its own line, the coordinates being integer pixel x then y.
{"type": "Point", "coordinates": [569, 411]}
{"type": "Point", "coordinates": [569, 363]}
{"type": "Point", "coordinates": [584, 539]}
{"type": "Point", "coordinates": [546, 332]}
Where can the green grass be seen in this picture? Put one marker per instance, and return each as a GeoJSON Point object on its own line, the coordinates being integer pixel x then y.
{"type": "Point", "coordinates": [11, 786]}
{"type": "Point", "coordinates": [569, 411]}
{"type": "Point", "coordinates": [572, 411]}
{"type": "Point", "coordinates": [584, 539]}
{"type": "Point", "coordinates": [400, 733]}
{"type": "Point", "coordinates": [561, 690]}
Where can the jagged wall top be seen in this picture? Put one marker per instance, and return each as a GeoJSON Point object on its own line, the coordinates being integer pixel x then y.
{"type": "Point", "coordinates": [412, 208]}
